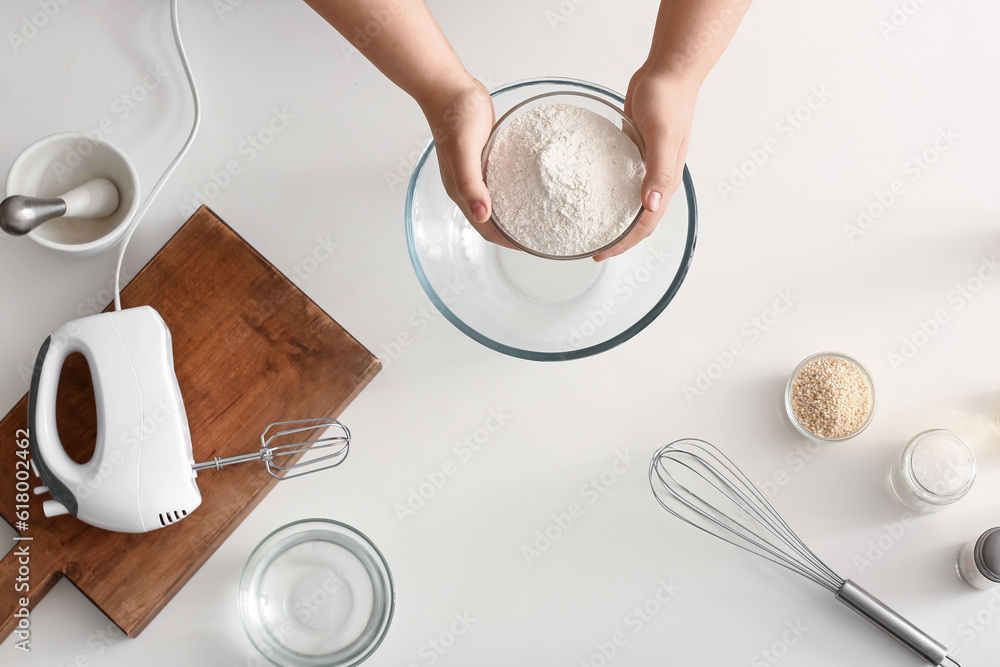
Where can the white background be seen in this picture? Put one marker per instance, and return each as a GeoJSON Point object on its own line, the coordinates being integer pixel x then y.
{"type": "Point", "coordinates": [331, 175]}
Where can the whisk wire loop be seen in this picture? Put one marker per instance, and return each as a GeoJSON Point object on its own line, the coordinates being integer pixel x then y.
{"type": "Point", "coordinates": [751, 543]}
{"type": "Point", "coordinates": [274, 452]}
{"type": "Point", "coordinates": [341, 443]}
{"type": "Point", "coordinates": [750, 523]}
{"type": "Point", "coordinates": [701, 486]}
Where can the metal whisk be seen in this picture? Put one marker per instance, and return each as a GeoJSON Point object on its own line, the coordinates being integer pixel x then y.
{"type": "Point", "coordinates": [698, 484]}
{"type": "Point", "coordinates": [278, 454]}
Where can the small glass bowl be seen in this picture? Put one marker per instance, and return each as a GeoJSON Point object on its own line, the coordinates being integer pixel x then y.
{"type": "Point", "coordinates": [316, 593]}
{"type": "Point", "coordinates": [795, 373]}
{"type": "Point", "coordinates": [582, 100]}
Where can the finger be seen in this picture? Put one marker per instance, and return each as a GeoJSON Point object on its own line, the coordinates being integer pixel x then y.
{"type": "Point", "coordinates": [664, 166]}
{"type": "Point", "coordinates": [465, 160]}
{"type": "Point", "coordinates": [490, 233]}
{"type": "Point", "coordinates": [484, 228]}
{"type": "Point", "coordinates": [650, 218]}
{"type": "Point", "coordinates": [472, 195]}
{"type": "Point", "coordinates": [642, 229]}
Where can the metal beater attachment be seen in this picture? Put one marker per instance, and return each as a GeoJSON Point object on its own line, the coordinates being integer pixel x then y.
{"type": "Point", "coordinates": [280, 452]}
{"type": "Point", "coordinates": [698, 484]}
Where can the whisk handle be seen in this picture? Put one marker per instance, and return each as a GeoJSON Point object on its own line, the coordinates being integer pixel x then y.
{"type": "Point", "coordinates": [892, 623]}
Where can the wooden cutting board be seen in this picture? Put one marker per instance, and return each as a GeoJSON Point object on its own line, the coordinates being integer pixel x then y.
{"type": "Point", "coordinates": [249, 349]}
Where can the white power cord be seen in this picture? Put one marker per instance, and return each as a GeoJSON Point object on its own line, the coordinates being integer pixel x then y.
{"type": "Point", "coordinates": [173, 165]}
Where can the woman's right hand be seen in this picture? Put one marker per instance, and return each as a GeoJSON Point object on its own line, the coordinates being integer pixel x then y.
{"type": "Point", "coordinates": [460, 115]}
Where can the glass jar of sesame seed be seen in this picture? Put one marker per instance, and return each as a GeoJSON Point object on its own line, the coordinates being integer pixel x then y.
{"type": "Point", "coordinates": [830, 397]}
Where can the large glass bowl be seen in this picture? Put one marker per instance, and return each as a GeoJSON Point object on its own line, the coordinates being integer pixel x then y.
{"type": "Point", "coordinates": [534, 308]}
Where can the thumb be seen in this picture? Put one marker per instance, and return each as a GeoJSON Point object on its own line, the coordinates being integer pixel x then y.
{"type": "Point", "coordinates": [662, 175]}
{"type": "Point", "coordinates": [467, 176]}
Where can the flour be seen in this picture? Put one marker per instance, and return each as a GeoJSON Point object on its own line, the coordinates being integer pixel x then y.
{"type": "Point", "coordinates": [564, 180]}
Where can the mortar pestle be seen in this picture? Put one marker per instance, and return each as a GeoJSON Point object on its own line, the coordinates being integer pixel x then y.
{"type": "Point", "coordinates": [71, 167]}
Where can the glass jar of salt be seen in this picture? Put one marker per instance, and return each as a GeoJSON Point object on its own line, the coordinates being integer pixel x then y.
{"type": "Point", "coordinates": [936, 469]}
{"type": "Point", "coordinates": [979, 560]}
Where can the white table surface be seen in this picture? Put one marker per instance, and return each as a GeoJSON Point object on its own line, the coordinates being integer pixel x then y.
{"type": "Point", "coordinates": [330, 172]}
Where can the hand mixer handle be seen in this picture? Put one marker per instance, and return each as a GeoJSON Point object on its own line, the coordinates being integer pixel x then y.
{"type": "Point", "coordinates": [45, 455]}
{"type": "Point", "coordinates": [97, 339]}
{"type": "Point", "coordinates": [892, 623]}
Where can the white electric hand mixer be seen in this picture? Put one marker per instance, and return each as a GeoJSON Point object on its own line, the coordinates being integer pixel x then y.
{"type": "Point", "coordinates": [142, 475]}
{"type": "Point", "coordinates": [698, 484]}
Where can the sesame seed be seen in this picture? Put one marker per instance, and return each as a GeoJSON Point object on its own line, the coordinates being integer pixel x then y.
{"type": "Point", "coordinates": [831, 398]}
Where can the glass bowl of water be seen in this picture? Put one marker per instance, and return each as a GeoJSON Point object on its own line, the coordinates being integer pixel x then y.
{"type": "Point", "coordinates": [316, 593]}
{"type": "Point", "coordinates": [531, 307]}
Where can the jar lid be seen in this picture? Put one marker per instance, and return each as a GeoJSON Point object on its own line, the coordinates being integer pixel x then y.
{"type": "Point", "coordinates": [988, 554]}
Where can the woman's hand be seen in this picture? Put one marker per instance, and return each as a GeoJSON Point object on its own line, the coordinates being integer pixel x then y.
{"type": "Point", "coordinates": [460, 115]}
{"type": "Point", "coordinates": [662, 107]}
{"type": "Point", "coordinates": [404, 41]}
{"type": "Point", "coordinates": [688, 39]}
